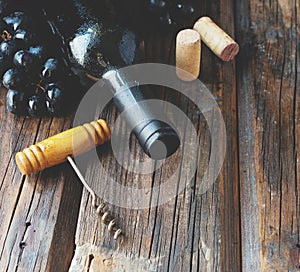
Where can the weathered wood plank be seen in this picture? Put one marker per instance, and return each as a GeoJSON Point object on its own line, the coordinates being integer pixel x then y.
{"type": "Point", "coordinates": [38, 212]}
{"type": "Point", "coordinates": [229, 180]}
{"type": "Point", "coordinates": [268, 84]}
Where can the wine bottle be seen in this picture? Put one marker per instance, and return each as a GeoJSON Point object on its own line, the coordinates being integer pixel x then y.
{"type": "Point", "coordinates": [102, 49]}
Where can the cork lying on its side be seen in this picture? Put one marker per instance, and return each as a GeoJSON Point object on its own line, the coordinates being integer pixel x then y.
{"type": "Point", "coordinates": [216, 39]}
{"type": "Point", "coordinates": [188, 52]}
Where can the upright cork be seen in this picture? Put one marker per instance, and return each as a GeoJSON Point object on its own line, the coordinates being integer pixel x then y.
{"type": "Point", "coordinates": [216, 39]}
{"type": "Point", "coordinates": [56, 149]}
{"type": "Point", "coordinates": [188, 54]}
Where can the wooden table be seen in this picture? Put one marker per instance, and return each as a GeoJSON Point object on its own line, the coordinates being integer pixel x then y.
{"type": "Point", "coordinates": [248, 220]}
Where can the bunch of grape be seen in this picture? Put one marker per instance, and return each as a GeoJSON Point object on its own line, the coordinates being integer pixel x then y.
{"type": "Point", "coordinates": [146, 14]}
{"type": "Point", "coordinates": [172, 12]}
{"type": "Point", "coordinates": [33, 66]}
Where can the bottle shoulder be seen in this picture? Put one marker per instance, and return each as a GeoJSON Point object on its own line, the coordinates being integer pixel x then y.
{"type": "Point", "coordinates": [95, 45]}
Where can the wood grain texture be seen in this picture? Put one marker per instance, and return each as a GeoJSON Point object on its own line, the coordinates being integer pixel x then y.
{"type": "Point", "coordinates": [39, 212]}
{"type": "Point", "coordinates": [268, 84]}
{"type": "Point", "coordinates": [247, 221]}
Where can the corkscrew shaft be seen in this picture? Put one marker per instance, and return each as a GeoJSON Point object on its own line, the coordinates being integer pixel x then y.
{"type": "Point", "coordinates": [82, 179]}
{"type": "Point", "coordinates": [105, 215]}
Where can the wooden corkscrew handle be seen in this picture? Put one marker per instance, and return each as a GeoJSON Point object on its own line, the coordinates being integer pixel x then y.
{"type": "Point", "coordinates": [54, 150]}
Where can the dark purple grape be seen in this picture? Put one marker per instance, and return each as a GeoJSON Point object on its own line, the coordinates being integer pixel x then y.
{"type": "Point", "coordinates": [8, 48]}
{"type": "Point", "coordinates": [53, 69]}
{"type": "Point", "coordinates": [37, 105]}
{"type": "Point", "coordinates": [38, 50]}
{"type": "Point", "coordinates": [55, 99]}
{"type": "Point", "coordinates": [24, 59]}
{"type": "Point", "coordinates": [15, 79]}
{"type": "Point", "coordinates": [25, 35]}
{"type": "Point", "coordinates": [16, 102]}
{"type": "Point", "coordinates": [54, 91]}
{"type": "Point", "coordinates": [17, 19]}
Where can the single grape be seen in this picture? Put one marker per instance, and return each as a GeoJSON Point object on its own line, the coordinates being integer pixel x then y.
{"type": "Point", "coordinates": [25, 59]}
{"type": "Point", "coordinates": [37, 105]}
{"type": "Point", "coordinates": [53, 69]}
{"type": "Point", "coordinates": [38, 50]}
{"type": "Point", "coordinates": [25, 35]}
{"type": "Point", "coordinates": [54, 91]}
{"type": "Point", "coordinates": [16, 102]}
{"type": "Point", "coordinates": [15, 79]}
{"type": "Point", "coordinates": [55, 99]}
{"type": "Point", "coordinates": [17, 19]}
{"type": "Point", "coordinates": [8, 48]}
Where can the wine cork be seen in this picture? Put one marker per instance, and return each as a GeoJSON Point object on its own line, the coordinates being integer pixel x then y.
{"type": "Point", "coordinates": [188, 54]}
{"type": "Point", "coordinates": [216, 39]}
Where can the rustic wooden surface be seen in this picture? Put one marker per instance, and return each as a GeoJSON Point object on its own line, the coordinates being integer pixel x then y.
{"type": "Point", "coordinates": [249, 219]}
{"type": "Point", "coordinates": [268, 97]}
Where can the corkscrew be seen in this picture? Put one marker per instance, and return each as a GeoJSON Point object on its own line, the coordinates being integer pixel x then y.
{"type": "Point", "coordinates": [62, 147]}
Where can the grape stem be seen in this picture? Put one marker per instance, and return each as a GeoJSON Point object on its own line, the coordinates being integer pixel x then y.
{"type": "Point", "coordinates": [40, 87]}
{"type": "Point", "coordinates": [93, 78]}
{"type": "Point", "coordinates": [6, 36]}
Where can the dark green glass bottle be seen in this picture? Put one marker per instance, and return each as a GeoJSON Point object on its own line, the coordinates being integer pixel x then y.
{"type": "Point", "coordinates": [96, 45]}
{"type": "Point", "coordinates": [101, 49]}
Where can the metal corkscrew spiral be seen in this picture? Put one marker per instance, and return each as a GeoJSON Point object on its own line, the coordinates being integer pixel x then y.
{"type": "Point", "coordinates": [101, 210]}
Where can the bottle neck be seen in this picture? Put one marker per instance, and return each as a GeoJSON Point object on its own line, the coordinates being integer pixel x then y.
{"type": "Point", "coordinates": [157, 138]}
{"type": "Point", "coordinates": [115, 80]}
